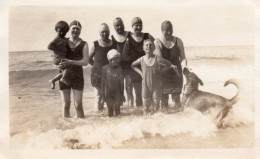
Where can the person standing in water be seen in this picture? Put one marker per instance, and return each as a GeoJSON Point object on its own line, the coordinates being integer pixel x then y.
{"type": "Point", "coordinates": [171, 48]}
{"type": "Point", "coordinates": [98, 59]}
{"type": "Point", "coordinates": [151, 76]}
{"type": "Point", "coordinates": [112, 84]}
{"type": "Point", "coordinates": [77, 56]}
{"type": "Point", "coordinates": [120, 38]}
{"type": "Point", "coordinates": [132, 51]}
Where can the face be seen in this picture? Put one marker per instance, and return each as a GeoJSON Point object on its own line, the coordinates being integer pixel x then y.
{"type": "Point", "coordinates": [148, 47]}
{"type": "Point", "coordinates": [137, 28]}
{"type": "Point", "coordinates": [115, 61]}
{"type": "Point", "coordinates": [75, 31]}
{"type": "Point", "coordinates": [104, 32]}
{"type": "Point", "coordinates": [61, 32]}
{"type": "Point", "coordinates": [167, 33]}
{"type": "Point", "coordinates": [119, 27]}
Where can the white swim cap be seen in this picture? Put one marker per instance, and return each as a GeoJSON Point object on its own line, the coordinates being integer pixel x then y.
{"type": "Point", "coordinates": [112, 54]}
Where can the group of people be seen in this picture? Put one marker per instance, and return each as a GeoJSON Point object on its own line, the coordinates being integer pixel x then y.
{"type": "Point", "coordinates": [126, 62]}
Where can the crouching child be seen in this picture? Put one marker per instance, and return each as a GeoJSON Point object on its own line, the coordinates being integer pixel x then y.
{"type": "Point", "coordinates": [112, 84]}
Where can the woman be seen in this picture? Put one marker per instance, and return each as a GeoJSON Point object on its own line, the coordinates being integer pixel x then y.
{"type": "Point", "coordinates": [132, 51]}
{"type": "Point", "coordinates": [98, 59]}
{"type": "Point", "coordinates": [120, 38]}
{"type": "Point", "coordinates": [77, 56]}
{"type": "Point", "coordinates": [171, 48]}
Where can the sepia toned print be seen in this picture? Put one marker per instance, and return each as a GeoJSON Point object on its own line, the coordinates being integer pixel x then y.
{"type": "Point", "coordinates": [218, 47]}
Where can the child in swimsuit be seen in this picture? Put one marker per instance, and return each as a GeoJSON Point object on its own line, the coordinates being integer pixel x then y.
{"type": "Point", "coordinates": [59, 48]}
{"type": "Point", "coordinates": [151, 76]}
{"type": "Point", "coordinates": [112, 84]}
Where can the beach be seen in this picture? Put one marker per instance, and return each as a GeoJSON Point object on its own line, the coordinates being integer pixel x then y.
{"type": "Point", "coordinates": [36, 114]}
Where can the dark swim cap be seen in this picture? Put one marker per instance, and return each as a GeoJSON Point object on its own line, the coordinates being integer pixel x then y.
{"type": "Point", "coordinates": [137, 20]}
{"type": "Point", "coordinates": [75, 23]}
{"type": "Point", "coordinates": [166, 25]}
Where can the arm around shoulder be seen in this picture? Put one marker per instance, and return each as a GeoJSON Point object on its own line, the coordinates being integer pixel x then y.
{"type": "Point", "coordinates": [91, 54]}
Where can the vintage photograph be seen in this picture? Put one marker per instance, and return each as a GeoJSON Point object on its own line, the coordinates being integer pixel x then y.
{"type": "Point", "coordinates": [158, 75]}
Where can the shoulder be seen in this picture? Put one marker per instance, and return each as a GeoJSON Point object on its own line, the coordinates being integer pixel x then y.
{"type": "Point", "coordinates": [179, 41]}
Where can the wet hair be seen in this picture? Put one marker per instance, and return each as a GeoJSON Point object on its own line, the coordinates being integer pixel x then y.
{"type": "Point", "coordinates": [63, 26]}
{"type": "Point", "coordinates": [75, 22]}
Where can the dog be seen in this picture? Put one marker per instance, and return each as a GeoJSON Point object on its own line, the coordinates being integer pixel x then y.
{"type": "Point", "coordinates": [204, 101]}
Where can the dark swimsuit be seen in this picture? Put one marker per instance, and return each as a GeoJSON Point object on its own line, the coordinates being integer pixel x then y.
{"type": "Point", "coordinates": [100, 60]}
{"type": "Point", "coordinates": [78, 80]}
{"type": "Point", "coordinates": [172, 83]}
{"type": "Point", "coordinates": [120, 48]}
{"type": "Point", "coordinates": [136, 51]}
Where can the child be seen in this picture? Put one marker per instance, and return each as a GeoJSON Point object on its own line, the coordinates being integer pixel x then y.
{"type": "Point", "coordinates": [58, 46]}
{"type": "Point", "coordinates": [151, 75]}
{"type": "Point", "coordinates": [112, 84]}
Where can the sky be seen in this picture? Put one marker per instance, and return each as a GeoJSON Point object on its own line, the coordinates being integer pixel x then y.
{"type": "Point", "coordinates": [196, 23]}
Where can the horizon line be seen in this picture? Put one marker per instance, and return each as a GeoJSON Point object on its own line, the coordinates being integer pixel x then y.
{"type": "Point", "coordinates": [184, 47]}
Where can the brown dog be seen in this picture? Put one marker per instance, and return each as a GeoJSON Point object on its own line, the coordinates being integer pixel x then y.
{"type": "Point", "coordinates": [204, 101]}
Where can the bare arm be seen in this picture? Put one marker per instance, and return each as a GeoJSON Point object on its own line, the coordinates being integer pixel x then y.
{"type": "Point", "coordinates": [53, 44]}
{"type": "Point", "coordinates": [182, 52]}
{"type": "Point", "coordinates": [125, 54]}
{"type": "Point", "coordinates": [103, 82]}
{"type": "Point", "coordinates": [91, 55]}
{"type": "Point", "coordinates": [166, 63]}
{"type": "Point", "coordinates": [157, 50]}
{"type": "Point", "coordinates": [135, 68]}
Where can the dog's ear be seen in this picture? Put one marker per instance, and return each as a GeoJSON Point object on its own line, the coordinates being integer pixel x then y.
{"type": "Point", "coordinates": [199, 80]}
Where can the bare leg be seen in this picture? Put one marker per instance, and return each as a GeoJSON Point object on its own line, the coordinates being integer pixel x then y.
{"type": "Point", "coordinates": [138, 95]}
{"type": "Point", "coordinates": [56, 78]}
{"type": "Point", "coordinates": [65, 98]}
{"type": "Point", "coordinates": [78, 102]}
{"type": "Point", "coordinates": [165, 98]}
{"type": "Point", "coordinates": [176, 100]}
{"type": "Point", "coordinates": [156, 102]}
{"type": "Point", "coordinates": [98, 101]}
{"type": "Point", "coordinates": [129, 91]}
{"type": "Point", "coordinates": [110, 105]}
{"type": "Point", "coordinates": [146, 105]}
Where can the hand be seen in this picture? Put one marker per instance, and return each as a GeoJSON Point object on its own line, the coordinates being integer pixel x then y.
{"type": "Point", "coordinates": [65, 63]}
{"type": "Point", "coordinates": [175, 69]}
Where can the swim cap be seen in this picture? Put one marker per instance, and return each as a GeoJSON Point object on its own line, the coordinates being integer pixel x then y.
{"type": "Point", "coordinates": [62, 25]}
{"type": "Point", "coordinates": [118, 21]}
{"type": "Point", "coordinates": [112, 54]}
{"type": "Point", "coordinates": [103, 27]}
{"type": "Point", "coordinates": [166, 25]}
{"type": "Point", "coordinates": [137, 20]}
{"type": "Point", "coordinates": [75, 23]}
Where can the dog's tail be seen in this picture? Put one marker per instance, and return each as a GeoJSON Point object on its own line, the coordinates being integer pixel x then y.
{"type": "Point", "coordinates": [234, 82]}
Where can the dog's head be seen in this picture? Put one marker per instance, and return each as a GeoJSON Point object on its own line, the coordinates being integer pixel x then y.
{"type": "Point", "coordinates": [191, 77]}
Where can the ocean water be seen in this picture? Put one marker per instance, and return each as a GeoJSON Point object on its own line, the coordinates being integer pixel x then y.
{"type": "Point", "coordinates": [35, 109]}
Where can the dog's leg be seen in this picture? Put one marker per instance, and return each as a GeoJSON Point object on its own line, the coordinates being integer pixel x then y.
{"type": "Point", "coordinates": [221, 116]}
